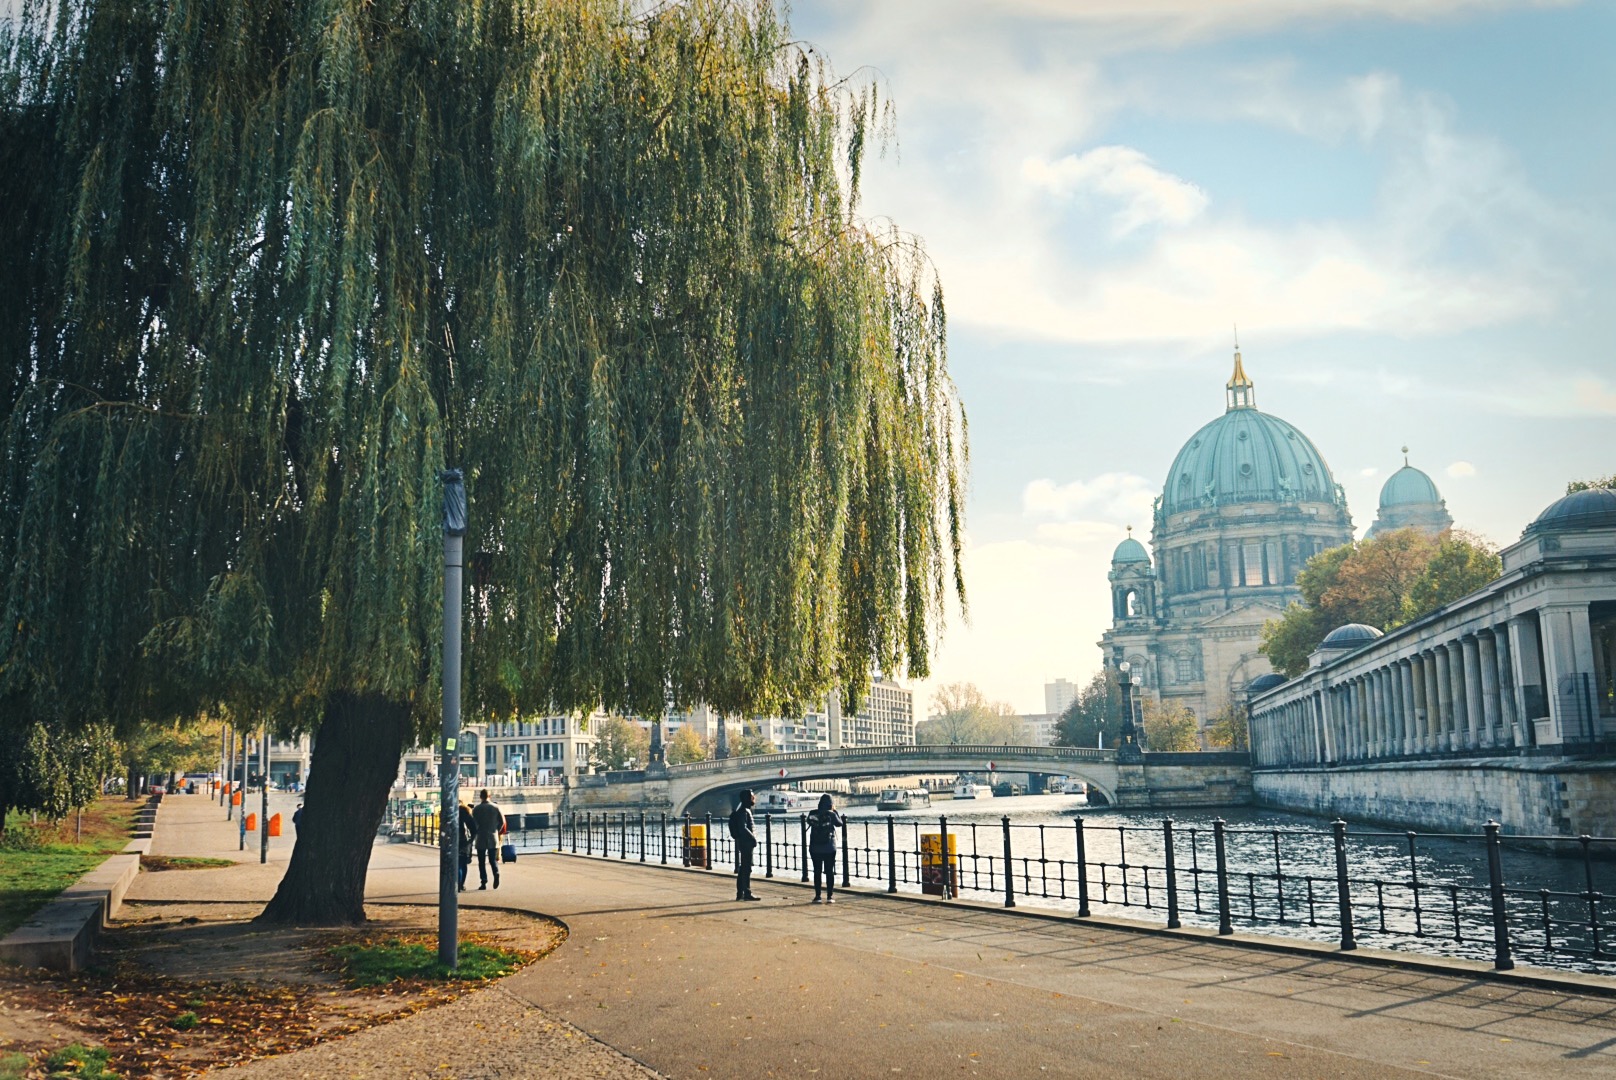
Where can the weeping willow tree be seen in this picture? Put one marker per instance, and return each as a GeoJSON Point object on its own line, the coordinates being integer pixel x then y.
{"type": "Point", "coordinates": [275, 265]}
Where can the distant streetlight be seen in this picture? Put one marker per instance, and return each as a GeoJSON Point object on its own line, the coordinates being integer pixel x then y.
{"type": "Point", "coordinates": [1129, 744]}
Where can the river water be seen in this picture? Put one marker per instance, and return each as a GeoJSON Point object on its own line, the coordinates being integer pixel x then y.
{"type": "Point", "coordinates": [1425, 893]}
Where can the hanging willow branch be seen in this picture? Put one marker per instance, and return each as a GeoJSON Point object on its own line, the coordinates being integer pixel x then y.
{"type": "Point", "coordinates": [606, 261]}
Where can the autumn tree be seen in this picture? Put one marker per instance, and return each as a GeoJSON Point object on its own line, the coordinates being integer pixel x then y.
{"type": "Point", "coordinates": [271, 267]}
{"type": "Point", "coordinates": [1230, 728]}
{"type": "Point", "coordinates": [1169, 728]}
{"type": "Point", "coordinates": [752, 742]}
{"type": "Point", "coordinates": [1094, 713]}
{"type": "Point", "coordinates": [685, 746]}
{"type": "Point", "coordinates": [620, 743]}
{"type": "Point", "coordinates": [1384, 582]}
{"type": "Point", "coordinates": [961, 716]}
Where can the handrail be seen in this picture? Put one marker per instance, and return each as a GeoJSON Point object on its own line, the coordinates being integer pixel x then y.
{"type": "Point", "coordinates": [952, 753]}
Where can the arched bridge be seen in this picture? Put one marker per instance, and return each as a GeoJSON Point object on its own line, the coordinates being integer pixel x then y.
{"type": "Point", "coordinates": [1216, 779]}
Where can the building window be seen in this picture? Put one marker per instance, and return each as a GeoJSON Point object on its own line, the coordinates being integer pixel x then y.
{"type": "Point", "coordinates": [1251, 571]}
{"type": "Point", "coordinates": [1184, 669]}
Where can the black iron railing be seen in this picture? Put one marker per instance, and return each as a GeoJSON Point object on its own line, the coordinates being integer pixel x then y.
{"type": "Point", "coordinates": [1374, 887]}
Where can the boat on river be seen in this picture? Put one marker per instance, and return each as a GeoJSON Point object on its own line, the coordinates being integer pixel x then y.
{"type": "Point", "coordinates": [775, 801]}
{"type": "Point", "coordinates": [903, 799]}
{"type": "Point", "coordinates": [967, 788]}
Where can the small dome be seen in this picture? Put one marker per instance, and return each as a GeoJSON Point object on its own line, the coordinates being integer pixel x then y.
{"type": "Point", "coordinates": [1408, 486]}
{"type": "Point", "coordinates": [1264, 683]}
{"type": "Point", "coordinates": [1130, 551]}
{"type": "Point", "coordinates": [1350, 636]}
{"type": "Point", "coordinates": [1592, 508]}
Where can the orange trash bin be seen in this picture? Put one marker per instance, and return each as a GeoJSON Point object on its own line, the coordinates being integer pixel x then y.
{"type": "Point", "coordinates": [274, 824]}
{"type": "Point", "coordinates": [235, 798]}
{"type": "Point", "coordinates": [252, 822]}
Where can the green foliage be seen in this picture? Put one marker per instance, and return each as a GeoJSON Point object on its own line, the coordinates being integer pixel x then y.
{"type": "Point", "coordinates": [751, 742]}
{"type": "Point", "coordinates": [185, 1021]}
{"type": "Point", "coordinates": [13, 1065]}
{"type": "Point", "coordinates": [961, 716]}
{"type": "Point", "coordinates": [1230, 729]}
{"type": "Point", "coordinates": [1096, 711]}
{"type": "Point", "coordinates": [379, 963]}
{"type": "Point", "coordinates": [685, 746]}
{"type": "Point", "coordinates": [38, 863]}
{"type": "Point", "coordinates": [1598, 482]}
{"type": "Point", "coordinates": [271, 268]}
{"type": "Point", "coordinates": [79, 1062]}
{"type": "Point", "coordinates": [171, 747]}
{"type": "Point", "coordinates": [620, 744]}
{"type": "Point", "coordinates": [1384, 582]}
{"type": "Point", "coordinates": [48, 765]}
{"type": "Point", "coordinates": [1169, 728]}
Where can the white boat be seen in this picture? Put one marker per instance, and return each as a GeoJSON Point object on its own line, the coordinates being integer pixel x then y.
{"type": "Point", "coordinates": [903, 799]}
{"type": "Point", "coordinates": [774, 801]}
{"type": "Point", "coordinates": [972, 789]}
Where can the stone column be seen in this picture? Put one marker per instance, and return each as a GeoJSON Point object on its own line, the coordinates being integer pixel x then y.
{"type": "Point", "coordinates": [1489, 690]}
{"type": "Point", "coordinates": [1508, 713]}
{"type": "Point", "coordinates": [1472, 692]}
{"type": "Point", "coordinates": [1531, 701]}
{"type": "Point", "coordinates": [1383, 706]}
{"type": "Point", "coordinates": [1422, 703]}
{"type": "Point", "coordinates": [1568, 667]}
{"type": "Point", "coordinates": [1405, 682]}
{"type": "Point", "coordinates": [1444, 699]}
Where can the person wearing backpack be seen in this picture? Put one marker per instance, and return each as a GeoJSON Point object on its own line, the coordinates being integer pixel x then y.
{"type": "Point", "coordinates": [823, 821]}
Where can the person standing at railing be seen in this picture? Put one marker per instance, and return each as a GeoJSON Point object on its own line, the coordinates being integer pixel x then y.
{"type": "Point", "coordinates": [745, 837]}
{"type": "Point", "coordinates": [823, 821]}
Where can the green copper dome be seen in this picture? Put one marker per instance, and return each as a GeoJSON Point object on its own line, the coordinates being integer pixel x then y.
{"type": "Point", "coordinates": [1130, 551]}
{"type": "Point", "coordinates": [1247, 456]}
{"type": "Point", "coordinates": [1409, 486]}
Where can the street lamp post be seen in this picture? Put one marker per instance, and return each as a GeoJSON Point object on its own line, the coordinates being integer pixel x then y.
{"type": "Point", "coordinates": [454, 533]}
{"type": "Point", "coordinates": [1128, 745]}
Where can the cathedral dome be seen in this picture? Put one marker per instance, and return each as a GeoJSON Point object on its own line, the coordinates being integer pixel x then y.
{"type": "Point", "coordinates": [1408, 486]}
{"type": "Point", "coordinates": [1591, 508]}
{"type": "Point", "coordinates": [1130, 551]}
{"type": "Point", "coordinates": [1264, 683]}
{"type": "Point", "coordinates": [1247, 456]}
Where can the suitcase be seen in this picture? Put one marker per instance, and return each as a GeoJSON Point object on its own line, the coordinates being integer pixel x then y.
{"type": "Point", "coordinates": [507, 853]}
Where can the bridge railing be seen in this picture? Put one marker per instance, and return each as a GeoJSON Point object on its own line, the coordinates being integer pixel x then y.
{"type": "Point", "coordinates": [1448, 894]}
{"type": "Point", "coordinates": [974, 754]}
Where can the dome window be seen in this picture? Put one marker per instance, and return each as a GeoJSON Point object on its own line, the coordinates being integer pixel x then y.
{"type": "Point", "coordinates": [1243, 436]}
{"type": "Point", "coordinates": [1245, 468]}
{"type": "Point", "coordinates": [1307, 467]}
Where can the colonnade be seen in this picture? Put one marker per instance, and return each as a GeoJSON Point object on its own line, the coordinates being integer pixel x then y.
{"type": "Point", "coordinates": [1462, 695]}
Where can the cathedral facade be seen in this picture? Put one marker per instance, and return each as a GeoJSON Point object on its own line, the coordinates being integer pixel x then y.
{"type": "Point", "coordinates": [1247, 502]}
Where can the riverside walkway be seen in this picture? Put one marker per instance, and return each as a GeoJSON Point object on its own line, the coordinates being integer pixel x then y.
{"type": "Point", "coordinates": [662, 968]}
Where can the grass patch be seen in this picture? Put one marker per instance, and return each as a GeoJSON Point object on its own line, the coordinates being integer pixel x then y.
{"type": "Point", "coordinates": [40, 861]}
{"type": "Point", "coordinates": [376, 963]}
{"type": "Point", "coordinates": [13, 1066]}
{"type": "Point", "coordinates": [180, 862]}
{"type": "Point", "coordinates": [79, 1062]}
{"type": "Point", "coordinates": [185, 1021]}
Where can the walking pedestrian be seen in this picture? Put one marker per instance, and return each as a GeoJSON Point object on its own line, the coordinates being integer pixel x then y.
{"type": "Point", "coordinates": [297, 818]}
{"type": "Point", "coordinates": [490, 823]}
{"type": "Point", "coordinates": [468, 838]}
{"type": "Point", "coordinates": [740, 830]}
{"type": "Point", "coordinates": [823, 821]}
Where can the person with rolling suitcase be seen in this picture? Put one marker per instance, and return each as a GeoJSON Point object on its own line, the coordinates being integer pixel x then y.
{"type": "Point", "coordinates": [490, 823]}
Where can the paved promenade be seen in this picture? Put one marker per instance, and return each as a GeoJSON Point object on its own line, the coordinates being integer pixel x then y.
{"type": "Point", "coordinates": [662, 967]}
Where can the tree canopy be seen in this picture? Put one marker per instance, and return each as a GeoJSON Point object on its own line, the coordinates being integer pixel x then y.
{"type": "Point", "coordinates": [1383, 581]}
{"type": "Point", "coordinates": [1096, 711]}
{"type": "Point", "coordinates": [1597, 482]}
{"type": "Point", "coordinates": [962, 716]}
{"type": "Point", "coordinates": [272, 267]}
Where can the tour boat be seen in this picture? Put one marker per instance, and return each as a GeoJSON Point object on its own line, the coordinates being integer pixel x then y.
{"type": "Point", "coordinates": [903, 799]}
{"type": "Point", "coordinates": [774, 801]}
{"type": "Point", "coordinates": [966, 788]}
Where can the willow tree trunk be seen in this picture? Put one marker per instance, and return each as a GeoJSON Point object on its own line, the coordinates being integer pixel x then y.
{"type": "Point", "coordinates": [355, 760]}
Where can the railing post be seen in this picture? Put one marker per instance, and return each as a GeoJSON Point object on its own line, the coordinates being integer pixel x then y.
{"type": "Point", "coordinates": [892, 857]}
{"type": "Point", "coordinates": [948, 893]}
{"type": "Point", "coordinates": [642, 835]}
{"type": "Point", "coordinates": [589, 833]}
{"type": "Point", "coordinates": [1495, 879]}
{"type": "Point", "coordinates": [1172, 875]}
{"type": "Point", "coordinates": [684, 842]}
{"type": "Point", "coordinates": [1009, 874]}
{"type": "Point", "coordinates": [802, 830]}
{"type": "Point", "coordinates": [712, 841]}
{"type": "Point", "coordinates": [664, 831]}
{"type": "Point", "coordinates": [1342, 885]}
{"type": "Point", "coordinates": [622, 836]}
{"type": "Point", "coordinates": [1224, 925]}
{"type": "Point", "coordinates": [768, 845]}
{"type": "Point", "coordinates": [1082, 873]}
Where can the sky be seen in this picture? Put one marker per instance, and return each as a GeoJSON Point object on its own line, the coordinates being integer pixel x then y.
{"type": "Point", "coordinates": [1406, 206]}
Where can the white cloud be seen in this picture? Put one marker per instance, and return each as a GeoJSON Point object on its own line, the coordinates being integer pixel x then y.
{"type": "Point", "coordinates": [1148, 195]}
{"type": "Point", "coordinates": [1370, 471]}
{"type": "Point", "coordinates": [1122, 498]}
{"type": "Point", "coordinates": [1077, 532]}
{"type": "Point", "coordinates": [1461, 468]}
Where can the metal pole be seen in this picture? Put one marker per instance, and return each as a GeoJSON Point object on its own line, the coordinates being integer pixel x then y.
{"type": "Point", "coordinates": [1082, 874]}
{"type": "Point", "coordinates": [1224, 924]}
{"type": "Point", "coordinates": [1342, 885]}
{"type": "Point", "coordinates": [1009, 876]}
{"type": "Point", "coordinates": [642, 835]}
{"type": "Point", "coordinates": [1495, 878]}
{"type": "Point", "coordinates": [263, 800]}
{"type": "Point", "coordinates": [802, 821]}
{"type": "Point", "coordinates": [664, 844]}
{"type": "Point", "coordinates": [241, 818]}
{"type": "Point", "coordinates": [225, 786]}
{"type": "Point", "coordinates": [892, 857]}
{"type": "Point", "coordinates": [847, 879]}
{"type": "Point", "coordinates": [454, 564]}
{"type": "Point", "coordinates": [948, 867]}
{"type": "Point", "coordinates": [224, 760]}
{"type": "Point", "coordinates": [768, 845]}
{"type": "Point", "coordinates": [1172, 877]}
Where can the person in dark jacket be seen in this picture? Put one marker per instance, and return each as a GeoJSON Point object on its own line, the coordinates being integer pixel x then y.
{"type": "Point", "coordinates": [490, 823]}
{"type": "Point", "coordinates": [740, 830]}
{"type": "Point", "coordinates": [823, 821]}
{"type": "Point", "coordinates": [468, 839]}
